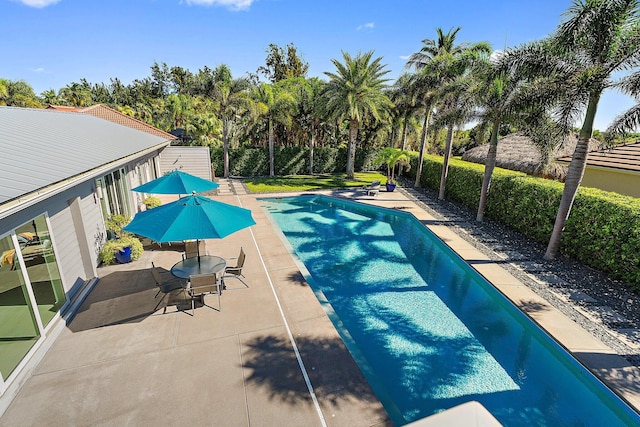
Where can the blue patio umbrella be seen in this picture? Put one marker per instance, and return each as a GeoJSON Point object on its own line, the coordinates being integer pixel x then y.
{"type": "Point", "coordinates": [190, 218]}
{"type": "Point", "coordinates": [177, 182]}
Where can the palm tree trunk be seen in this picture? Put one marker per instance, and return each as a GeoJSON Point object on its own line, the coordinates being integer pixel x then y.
{"type": "Point", "coordinates": [423, 139]}
{"type": "Point", "coordinates": [351, 153]}
{"type": "Point", "coordinates": [488, 170]}
{"type": "Point", "coordinates": [225, 147]}
{"type": "Point", "coordinates": [271, 159]}
{"type": "Point", "coordinates": [574, 177]}
{"type": "Point", "coordinates": [312, 143]}
{"type": "Point", "coordinates": [404, 133]}
{"type": "Point", "coordinates": [445, 162]}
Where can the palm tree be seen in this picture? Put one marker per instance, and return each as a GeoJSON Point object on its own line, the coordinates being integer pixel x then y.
{"type": "Point", "coordinates": [230, 96]}
{"type": "Point", "coordinates": [597, 39]}
{"type": "Point", "coordinates": [355, 92]}
{"type": "Point", "coordinates": [441, 61]}
{"type": "Point", "coordinates": [406, 104]}
{"type": "Point", "coordinates": [503, 96]}
{"type": "Point", "coordinates": [277, 105]}
{"type": "Point", "coordinates": [392, 157]}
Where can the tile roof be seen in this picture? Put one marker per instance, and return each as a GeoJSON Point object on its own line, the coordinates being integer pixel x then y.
{"type": "Point", "coordinates": [108, 113]}
{"type": "Point", "coordinates": [624, 157]}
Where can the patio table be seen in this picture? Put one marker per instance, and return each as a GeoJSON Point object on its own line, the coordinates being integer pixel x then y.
{"type": "Point", "coordinates": [208, 264]}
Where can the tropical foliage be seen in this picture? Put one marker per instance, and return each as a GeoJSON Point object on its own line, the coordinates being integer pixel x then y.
{"type": "Point", "coordinates": [290, 122]}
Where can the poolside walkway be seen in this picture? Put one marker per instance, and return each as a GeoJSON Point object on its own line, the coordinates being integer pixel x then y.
{"type": "Point", "coordinates": [270, 357]}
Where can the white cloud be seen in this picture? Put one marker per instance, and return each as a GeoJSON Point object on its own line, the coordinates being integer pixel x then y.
{"type": "Point", "coordinates": [231, 4]}
{"type": "Point", "coordinates": [405, 57]}
{"type": "Point", "coordinates": [367, 26]}
{"type": "Point", "coordinates": [38, 70]}
{"type": "Point", "coordinates": [38, 3]}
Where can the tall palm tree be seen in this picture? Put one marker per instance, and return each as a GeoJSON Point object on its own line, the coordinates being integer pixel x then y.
{"type": "Point", "coordinates": [355, 92]}
{"type": "Point", "coordinates": [441, 61]}
{"type": "Point", "coordinates": [406, 102]}
{"type": "Point", "coordinates": [503, 96]}
{"type": "Point", "coordinates": [276, 105]}
{"type": "Point", "coordinates": [596, 40]}
{"type": "Point", "coordinates": [230, 96]}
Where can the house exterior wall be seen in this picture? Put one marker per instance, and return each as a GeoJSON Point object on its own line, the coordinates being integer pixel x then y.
{"type": "Point", "coordinates": [619, 181]}
{"type": "Point", "coordinates": [193, 160]}
{"type": "Point", "coordinates": [77, 231]}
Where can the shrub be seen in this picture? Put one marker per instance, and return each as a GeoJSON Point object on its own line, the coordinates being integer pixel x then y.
{"type": "Point", "coordinates": [603, 230]}
{"type": "Point", "coordinates": [108, 252]}
{"type": "Point", "coordinates": [151, 202]}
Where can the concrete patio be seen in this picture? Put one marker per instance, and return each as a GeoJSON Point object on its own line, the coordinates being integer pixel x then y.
{"type": "Point", "coordinates": [270, 357]}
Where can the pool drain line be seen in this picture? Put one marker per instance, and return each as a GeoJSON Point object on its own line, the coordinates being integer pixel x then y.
{"type": "Point", "coordinates": [291, 339]}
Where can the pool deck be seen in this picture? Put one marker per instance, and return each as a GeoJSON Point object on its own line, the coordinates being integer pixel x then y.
{"type": "Point", "coordinates": [269, 357]}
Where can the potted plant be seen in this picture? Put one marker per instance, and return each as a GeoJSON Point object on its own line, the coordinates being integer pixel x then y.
{"type": "Point", "coordinates": [121, 246]}
{"type": "Point", "coordinates": [392, 157]}
{"type": "Point", "coordinates": [151, 202]}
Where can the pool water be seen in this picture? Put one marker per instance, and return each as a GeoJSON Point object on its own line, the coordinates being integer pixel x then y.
{"type": "Point", "coordinates": [426, 330]}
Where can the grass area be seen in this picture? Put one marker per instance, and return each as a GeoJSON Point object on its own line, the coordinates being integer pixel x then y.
{"type": "Point", "coordinates": [310, 182]}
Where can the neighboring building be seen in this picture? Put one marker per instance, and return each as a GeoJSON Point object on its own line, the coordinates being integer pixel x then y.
{"type": "Point", "coordinates": [517, 152]}
{"type": "Point", "coordinates": [61, 175]}
{"type": "Point", "coordinates": [108, 113]}
{"type": "Point", "coordinates": [615, 169]}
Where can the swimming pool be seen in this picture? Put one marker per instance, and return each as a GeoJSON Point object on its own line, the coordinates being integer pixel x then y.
{"type": "Point", "coordinates": [426, 330]}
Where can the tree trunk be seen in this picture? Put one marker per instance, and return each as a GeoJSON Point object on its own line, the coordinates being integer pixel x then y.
{"type": "Point", "coordinates": [574, 177]}
{"type": "Point", "coordinates": [488, 170]}
{"type": "Point", "coordinates": [404, 133]}
{"type": "Point", "coordinates": [225, 147]}
{"type": "Point", "coordinates": [423, 139]}
{"type": "Point", "coordinates": [445, 162]}
{"type": "Point", "coordinates": [351, 153]}
{"type": "Point", "coordinates": [271, 159]}
{"type": "Point", "coordinates": [312, 143]}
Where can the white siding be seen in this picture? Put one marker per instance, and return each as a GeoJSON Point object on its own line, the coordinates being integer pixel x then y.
{"type": "Point", "coordinates": [193, 160]}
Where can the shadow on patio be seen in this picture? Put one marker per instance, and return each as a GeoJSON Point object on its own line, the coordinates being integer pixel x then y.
{"type": "Point", "coordinates": [120, 297]}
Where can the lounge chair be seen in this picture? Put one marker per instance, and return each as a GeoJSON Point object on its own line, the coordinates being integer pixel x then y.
{"type": "Point", "coordinates": [203, 284]}
{"type": "Point", "coordinates": [236, 270]}
{"type": "Point", "coordinates": [372, 189]}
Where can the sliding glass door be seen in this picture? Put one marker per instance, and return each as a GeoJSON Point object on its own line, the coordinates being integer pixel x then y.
{"type": "Point", "coordinates": [31, 291]}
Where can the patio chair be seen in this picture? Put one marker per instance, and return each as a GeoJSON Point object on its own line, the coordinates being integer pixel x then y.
{"type": "Point", "coordinates": [203, 284]}
{"type": "Point", "coordinates": [236, 270]}
{"type": "Point", "coordinates": [165, 286]}
{"type": "Point", "coordinates": [372, 189]}
{"type": "Point", "coordinates": [193, 248]}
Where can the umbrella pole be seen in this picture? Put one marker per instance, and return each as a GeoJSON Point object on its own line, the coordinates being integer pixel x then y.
{"type": "Point", "coordinates": [198, 250]}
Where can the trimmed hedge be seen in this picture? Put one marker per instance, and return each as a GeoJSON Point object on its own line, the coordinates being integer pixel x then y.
{"type": "Point", "coordinates": [603, 230]}
{"type": "Point", "coordinates": [290, 160]}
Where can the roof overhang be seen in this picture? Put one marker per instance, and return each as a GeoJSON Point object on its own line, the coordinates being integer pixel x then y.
{"type": "Point", "coordinates": [13, 206]}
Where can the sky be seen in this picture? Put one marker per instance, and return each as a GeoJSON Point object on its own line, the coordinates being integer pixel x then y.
{"type": "Point", "coordinates": [52, 43]}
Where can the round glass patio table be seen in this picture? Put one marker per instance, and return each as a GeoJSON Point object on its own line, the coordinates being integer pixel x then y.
{"type": "Point", "coordinates": [208, 264]}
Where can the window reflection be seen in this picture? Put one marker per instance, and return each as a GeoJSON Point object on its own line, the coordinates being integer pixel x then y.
{"type": "Point", "coordinates": [42, 270]}
{"type": "Point", "coordinates": [18, 327]}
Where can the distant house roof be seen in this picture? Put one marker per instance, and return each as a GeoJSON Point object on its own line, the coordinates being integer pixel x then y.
{"type": "Point", "coordinates": [39, 148]}
{"type": "Point", "coordinates": [107, 113]}
{"type": "Point", "coordinates": [624, 157]}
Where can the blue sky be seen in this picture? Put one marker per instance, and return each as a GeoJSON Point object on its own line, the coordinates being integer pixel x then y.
{"type": "Point", "coordinates": [51, 43]}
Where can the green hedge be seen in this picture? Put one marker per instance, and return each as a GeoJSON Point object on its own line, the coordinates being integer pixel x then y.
{"type": "Point", "coordinates": [290, 160]}
{"type": "Point", "coordinates": [603, 230]}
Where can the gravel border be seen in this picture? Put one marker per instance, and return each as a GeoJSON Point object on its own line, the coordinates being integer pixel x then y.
{"type": "Point", "coordinates": [607, 308]}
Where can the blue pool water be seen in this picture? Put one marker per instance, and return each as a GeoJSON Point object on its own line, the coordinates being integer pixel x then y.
{"type": "Point", "coordinates": [426, 330]}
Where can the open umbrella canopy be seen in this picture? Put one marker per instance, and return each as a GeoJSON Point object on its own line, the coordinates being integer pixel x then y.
{"type": "Point", "coordinates": [190, 218]}
{"type": "Point", "coordinates": [177, 182]}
